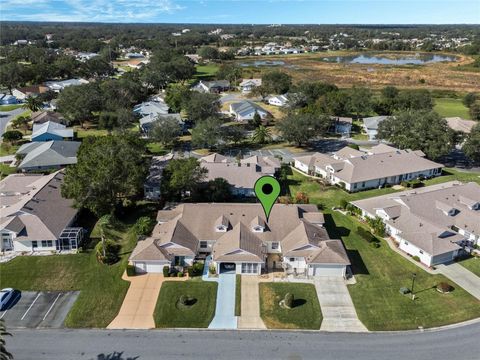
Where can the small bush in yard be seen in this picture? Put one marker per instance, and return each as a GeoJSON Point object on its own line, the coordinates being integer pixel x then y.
{"type": "Point", "coordinates": [288, 300]}
{"type": "Point", "coordinates": [416, 258]}
{"type": "Point", "coordinates": [195, 270]}
{"type": "Point", "coordinates": [112, 250]}
{"type": "Point", "coordinates": [180, 274]}
{"type": "Point", "coordinates": [166, 270]}
{"type": "Point", "coordinates": [131, 270]}
{"type": "Point", "coordinates": [343, 203]}
{"type": "Point", "coordinates": [212, 270]}
{"type": "Point", "coordinates": [444, 287]}
{"type": "Point", "coordinates": [375, 244]}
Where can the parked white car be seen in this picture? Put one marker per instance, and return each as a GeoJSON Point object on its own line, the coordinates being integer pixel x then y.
{"type": "Point", "coordinates": [5, 296]}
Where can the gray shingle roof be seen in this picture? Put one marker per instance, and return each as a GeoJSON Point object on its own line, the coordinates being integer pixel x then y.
{"type": "Point", "coordinates": [48, 154]}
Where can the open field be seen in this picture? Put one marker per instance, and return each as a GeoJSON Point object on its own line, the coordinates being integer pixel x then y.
{"type": "Point", "coordinates": [170, 313]}
{"type": "Point", "coordinates": [305, 313]}
{"type": "Point", "coordinates": [447, 107]}
{"type": "Point", "coordinates": [436, 76]}
{"type": "Point", "coordinates": [101, 287]}
{"type": "Point", "coordinates": [380, 272]}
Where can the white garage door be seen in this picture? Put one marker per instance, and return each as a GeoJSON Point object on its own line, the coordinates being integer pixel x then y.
{"type": "Point", "coordinates": [328, 270]}
{"type": "Point", "coordinates": [154, 267]}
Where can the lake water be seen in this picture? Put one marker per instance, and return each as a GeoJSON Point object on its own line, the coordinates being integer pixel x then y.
{"type": "Point", "coordinates": [417, 59]}
{"type": "Point", "coordinates": [259, 63]}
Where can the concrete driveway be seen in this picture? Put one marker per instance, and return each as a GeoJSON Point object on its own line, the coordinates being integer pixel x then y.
{"type": "Point", "coordinates": [336, 304]}
{"type": "Point", "coordinates": [225, 308]}
{"type": "Point", "coordinates": [139, 303]}
{"type": "Point", "coordinates": [461, 276]}
{"type": "Point", "coordinates": [250, 309]}
{"type": "Point", "coordinates": [6, 117]}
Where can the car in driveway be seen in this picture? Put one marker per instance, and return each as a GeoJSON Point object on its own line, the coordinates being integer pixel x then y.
{"type": "Point", "coordinates": [5, 296]}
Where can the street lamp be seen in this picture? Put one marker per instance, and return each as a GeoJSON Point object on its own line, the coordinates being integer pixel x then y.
{"type": "Point", "coordinates": [414, 275]}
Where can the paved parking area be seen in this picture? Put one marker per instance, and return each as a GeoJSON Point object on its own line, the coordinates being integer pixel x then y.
{"type": "Point", "coordinates": [38, 309]}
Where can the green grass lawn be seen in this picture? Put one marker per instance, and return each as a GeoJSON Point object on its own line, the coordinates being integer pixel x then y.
{"type": "Point", "coordinates": [170, 314]}
{"type": "Point", "coordinates": [305, 314]}
{"type": "Point", "coordinates": [205, 72]}
{"type": "Point", "coordinates": [472, 264]}
{"type": "Point", "coordinates": [10, 107]}
{"type": "Point", "coordinates": [381, 272]}
{"type": "Point", "coordinates": [101, 288]}
{"type": "Point", "coordinates": [6, 170]}
{"type": "Point", "coordinates": [155, 148]}
{"type": "Point", "coordinates": [448, 107]}
{"type": "Point", "coordinates": [238, 295]}
{"type": "Point", "coordinates": [7, 149]}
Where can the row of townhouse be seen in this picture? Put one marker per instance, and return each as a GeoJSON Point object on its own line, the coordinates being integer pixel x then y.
{"type": "Point", "coordinates": [238, 239]}
{"type": "Point", "coordinates": [436, 223]}
{"type": "Point", "coordinates": [357, 170]}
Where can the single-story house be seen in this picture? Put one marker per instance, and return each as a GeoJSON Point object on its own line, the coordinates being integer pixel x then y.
{"type": "Point", "coordinates": [461, 125]}
{"type": "Point", "coordinates": [84, 56]}
{"type": "Point", "coordinates": [216, 86]}
{"type": "Point", "coordinates": [278, 100]}
{"type": "Point", "coordinates": [58, 86]}
{"type": "Point", "coordinates": [247, 85]}
{"type": "Point", "coordinates": [239, 240]}
{"type": "Point", "coordinates": [370, 125]}
{"type": "Point", "coordinates": [51, 131]}
{"type": "Point", "coordinates": [151, 187]}
{"type": "Point", "coordinates": [41, 117]}
{"type": "Point", "coordinates": [47, 155]}
{"type": "Point", "coordinates": [34, 90]}
{"type": "Point", "coordinates": [435, 223]}
{"type": "Point", "coordinates": [7, 99]}
{"type": "Point", "coordinates": [342, 125]}
{"type": "Point", "coordinates": [356, 170]}
{"type": "Point", "coordinates": [245, 110]}
{"type": "Point", "coordinates": [35, 217]}
{"type": "Point", "coordinates": [154, 108]}
{"type": "Point", "coordinates": [148, 121]}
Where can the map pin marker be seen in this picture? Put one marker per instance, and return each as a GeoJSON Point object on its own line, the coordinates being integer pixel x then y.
{"type": "Point", "coordinates": [267, 190]}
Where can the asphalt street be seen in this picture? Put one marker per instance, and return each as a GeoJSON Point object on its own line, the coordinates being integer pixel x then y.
{"type": "Point", "coordinates": [6, 116]}
{"type": "Point", "coordinates": [459, 343]}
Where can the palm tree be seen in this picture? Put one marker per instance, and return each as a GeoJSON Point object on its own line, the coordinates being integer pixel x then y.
{"type": "Point", "coordinates": [33, 103]}
{"type": "Point", "coordinates": [4, 354]}
{"type": "Point", "coordinates": [262, 135]}
{"type": "Point", "coordinates": [103, 222]}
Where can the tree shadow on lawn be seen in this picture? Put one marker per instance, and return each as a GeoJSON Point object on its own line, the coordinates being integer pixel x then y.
{"type": "Point", "coordinates": [298, 302]}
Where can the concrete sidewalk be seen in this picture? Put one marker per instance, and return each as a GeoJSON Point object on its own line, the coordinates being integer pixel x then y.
{"type": "Point", "coordinates": [250, 312]}
{"type": "Point", "coordinates": [461, 276]}
{"type": "Point", "coordinates": [336, 304]}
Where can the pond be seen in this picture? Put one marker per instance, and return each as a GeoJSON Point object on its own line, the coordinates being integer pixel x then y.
{"type": "Point", "coordinates": [259, 63]}
{"type": "Point", "coordinates": [395, 59]}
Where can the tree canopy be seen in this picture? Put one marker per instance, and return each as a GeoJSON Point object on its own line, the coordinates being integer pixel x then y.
{"type": "Point", "coordinates": [165, 130]}
{"type": "Point", "coordinates": [299, 128]}
{"type": "Point", "coordinates": [276, 82]}
{"type": "Point", "coordinates": [109, 170]}
{"type": "Point", "coordinates": [181, 176]}
{"type": "Point", "coordinates": [471, 148]}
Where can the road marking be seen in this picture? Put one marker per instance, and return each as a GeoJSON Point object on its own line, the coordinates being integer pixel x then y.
{"type": "Point", "coordinates": [50, 309]}
{"type": "Point", "coordinates": [16, 297]}
{"type": "Point", "coordinates": [26, 312]}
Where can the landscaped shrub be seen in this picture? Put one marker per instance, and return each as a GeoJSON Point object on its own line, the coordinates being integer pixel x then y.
{"type": "Point", "coordinates": [405, 184]}
{"type": "Point", "coordinates": [183, 299]}
{"type": "Point", "coordinates": [444, 287]}
{"type": "Point", "coordinates": [112, 250]}
{"type": "Point", "coordinates": [343, 203]}
{"type": "Point", "coordinates": [180, 274]}
{"type": "Point", "coordinates": [416, 184]}
{"type": "Point", "coordinates": [354, 146]}
{"type": "Point", "coordinates": [288, 300]}
{"type": "Point", "coordinates": [365, 235]}
{"type": "Point", "coordinates": [144, 226]}
{"type": "Point", "coordinates": [166, 270]}
{"type": "Point", "coordinates": [375, 244]}
{"type": "Point", "coordinates": [131, 270]}
{"type": "Point", "coordinates": [301, 198]}
{"type": "Point", "coordinates": [416, 258]}
{"type": "Point", "coordinates": [212, 270]}
{"type": "Point", "coordinates": [377, 226]}
{"type": "Point", "coordinates": [195, 270]}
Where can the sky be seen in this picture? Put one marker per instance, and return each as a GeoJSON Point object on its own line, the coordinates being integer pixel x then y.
{"type": "Point", "coordinates": [245, 11]}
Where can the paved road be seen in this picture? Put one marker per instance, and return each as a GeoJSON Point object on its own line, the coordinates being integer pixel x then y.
{"type": "Point", "coordinates": [6, 116]}
{"type": "Point", "coordinates": [459, 344]}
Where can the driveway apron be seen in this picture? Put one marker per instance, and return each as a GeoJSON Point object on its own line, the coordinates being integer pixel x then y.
{"type": "Point", "coordinates": [250, 315]}
{"type": "Point", "coordinates": [461, 276]}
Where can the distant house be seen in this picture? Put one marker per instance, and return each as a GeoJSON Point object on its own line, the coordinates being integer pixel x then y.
{"type": "Point", "coordinates": [242, 176]}
{"type": "Point", "coordinates": [24, 92]}
{"type": "Point", "coordinates": [47, 155]}
{"type": "Point", "coordinates": [41, 117]}
{"type": "Point", "coordinates": [370, 125]}
{"type": "Point", "coordinates": [342, 125]}
{"type": "Point", "coordinates": [84, 56]}
{"type": "Point", "coordinates": [151, 108]}
{"type": "Point", "coordinates": [216, 86]}
{"type": "Point", "coordinates": [461, 125]}
{"type": "Point", "coordinates": [357, 170]}
{"type": "Point", "coordinates": [278, 100]}
{"type": "Point", "coordinates": [151, 187]}
{"type": "Point", "coordinates": [7, 99]}
{"type": "Point", "coordinates": [133, 55]}
{"type": "Point", "coordinates": [436, 223]}
{"type": "Point", "coordinates": [148, 121]}
{"type": "Point", "coordinates": [58, 86]}
{"type": "Point", "coordinates": [245, 110]}
{"type": "Point", "coordinates": [247, 85]}
{"type": "Point", "coordinates": [51, 131]}
{"type": "Point", "coordinates": [35, 217]}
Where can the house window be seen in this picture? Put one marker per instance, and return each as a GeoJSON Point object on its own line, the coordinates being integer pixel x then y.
{"type": "Point", "coordinates": [354, 186]}
{"type": "Point", "coordinates": [249, 268]}
{"type": "Point", "coordinates": [34, 244]}
{"type": "Point", "coordinates": [274, 245]}
{"type": "Point", "coordinates": [203, 244]}
{"type": "Point", "coordinates": [291, 259]}
{"type": "Point", "coordinates": [421, 251]}
{"type": "Point", "coordinates": [363, 184]}
{"type": "Point", "coordinates": [406, 243]}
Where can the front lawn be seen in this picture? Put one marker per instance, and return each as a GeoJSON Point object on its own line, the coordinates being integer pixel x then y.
{"type": "Point", "coordinates": [448, 107]}
{"type": "Point", "coordinates": [10, 107]}
{"type": "Point", "coordinates": [101, 288]}
{"type": "Point", "coordinates": [169, 313]}
{"type": "Point", "coordinates": [305, 314]}
{"type": "Point", "coordinates": [472, 264]}
{"type": "Point", "coordinates": [380, 273]}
